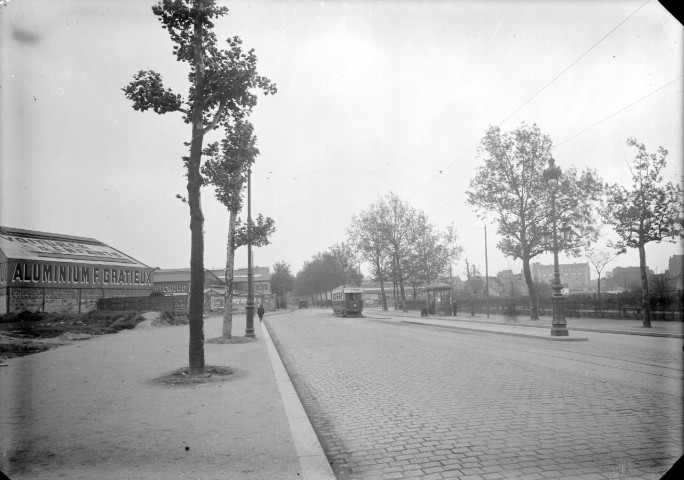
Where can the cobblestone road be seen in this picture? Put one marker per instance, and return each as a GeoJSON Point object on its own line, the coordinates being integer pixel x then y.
{"type": "Point", "coordinates": [391, 401]}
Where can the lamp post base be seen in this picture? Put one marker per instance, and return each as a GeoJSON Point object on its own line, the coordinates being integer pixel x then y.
{"type": "Point", "coordinates": [249, 330]}
{"type": "Point", "coordinates": [559, 332]}
{"type": "Point", "coordinates": [558, 324]}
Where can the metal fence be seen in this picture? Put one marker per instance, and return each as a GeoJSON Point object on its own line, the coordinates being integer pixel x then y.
{"type": "Point", "coordinates": [664, 306]}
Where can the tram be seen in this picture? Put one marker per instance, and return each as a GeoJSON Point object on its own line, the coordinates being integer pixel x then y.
{"type": "Point", "coordinates": [347, 301]}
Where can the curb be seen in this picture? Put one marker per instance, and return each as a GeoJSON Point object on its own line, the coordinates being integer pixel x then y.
{"type": "Point", "coordinates": [312, 460]}
{"type": "Point", "coordinates": [512, 334]}
{"type": "Point", "coordinates": [571, 329]}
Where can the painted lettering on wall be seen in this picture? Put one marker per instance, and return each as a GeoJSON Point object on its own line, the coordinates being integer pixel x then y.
{"type": "Point", "coordinates": [55, 274]}
{"type": "Point", "coordinates": [175, 287]}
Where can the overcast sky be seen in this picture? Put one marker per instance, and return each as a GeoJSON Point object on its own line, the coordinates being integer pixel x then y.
{"type": "Point", "coordinates": [373, 96]}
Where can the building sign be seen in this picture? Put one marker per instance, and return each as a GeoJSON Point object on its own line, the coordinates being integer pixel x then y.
{"type": "Point", "coordinates": [172, 287]}
{"type": "Point", "coordinates": [35, 274]}
{"type": "Point", "coordinates": [63, 250]}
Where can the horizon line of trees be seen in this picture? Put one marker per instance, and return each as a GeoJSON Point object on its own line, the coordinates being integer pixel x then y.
{"type": "Point", "coordinates": [402, 248]}
{"type": "Point", "coordinates": [510, 188]}
{"type": "Point", "coordinates": [399, 243]}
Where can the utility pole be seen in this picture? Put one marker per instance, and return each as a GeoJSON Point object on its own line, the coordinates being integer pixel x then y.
{"type": "Point", "coordinates": [486, 274]}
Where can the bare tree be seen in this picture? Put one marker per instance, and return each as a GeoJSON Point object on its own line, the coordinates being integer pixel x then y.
{"type": "Point", "coordinates": [599, 259]}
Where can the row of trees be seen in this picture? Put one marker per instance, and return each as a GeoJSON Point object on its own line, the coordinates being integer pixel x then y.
{"type": "Point", "coordinates": [509, 189]}
{"type": "Point", "coordinates": [223, 88]}
{"type": "Point", "coordinates": [396, 241]}
{"type": "Point", "coordinates": [401, 246]}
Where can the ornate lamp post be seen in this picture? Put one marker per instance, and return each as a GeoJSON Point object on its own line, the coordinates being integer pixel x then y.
{"type": "Point", "coordinates": [558, 324]}
{"type": "Point", "coordinates": [249, 330]}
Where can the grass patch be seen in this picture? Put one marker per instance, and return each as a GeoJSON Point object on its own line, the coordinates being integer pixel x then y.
{"type": "Point", "coordinates": [50, 325]}
{"type": "Point", "coordinates": [11, 350]}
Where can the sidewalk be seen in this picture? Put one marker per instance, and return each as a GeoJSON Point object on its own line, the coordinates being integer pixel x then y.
{"type": "Point", "coordinates": [88, 410]}
{"type": "Point", "coordinates": [523, 326]}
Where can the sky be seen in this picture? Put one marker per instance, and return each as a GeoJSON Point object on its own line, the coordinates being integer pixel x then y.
{"type": "Point", "coordinates": [373, 97]}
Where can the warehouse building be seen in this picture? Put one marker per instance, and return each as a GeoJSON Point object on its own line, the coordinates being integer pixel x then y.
{"type": "Point", "coordinates": [50, 272]}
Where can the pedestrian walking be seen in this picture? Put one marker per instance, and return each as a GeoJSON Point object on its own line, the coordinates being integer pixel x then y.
{"type": "Point", "coordinates": [260, 312]}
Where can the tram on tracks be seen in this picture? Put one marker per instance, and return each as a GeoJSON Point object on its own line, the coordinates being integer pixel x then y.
{"type": "Point", "coordinates": [347, 301]}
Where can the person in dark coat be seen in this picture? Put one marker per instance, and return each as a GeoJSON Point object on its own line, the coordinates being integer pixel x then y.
{"type": "Point", "coordinates": [260, 312]}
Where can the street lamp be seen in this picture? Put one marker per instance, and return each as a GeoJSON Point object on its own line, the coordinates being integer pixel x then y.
{"type": "Point", "coordinates": [558, 324]}
{"type": "Point", "coordinates": [249, 330]}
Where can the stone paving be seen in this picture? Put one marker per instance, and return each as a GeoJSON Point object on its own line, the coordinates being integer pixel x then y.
{"type": "Point", "coordinates": [392, 401]}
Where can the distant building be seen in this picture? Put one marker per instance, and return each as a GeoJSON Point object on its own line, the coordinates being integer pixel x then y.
{"type": "Point", "coordinates": [261, 279]}
{"type": "Point", "coordinates": [496, 288]}
{"type": "Point", "coordinates": [625, 279]}
{"type": "Point", "coordinates": [674, 272]}
{"type": "Point", "coordinates": [51, 272]}
{"type": "Point", "coordinates": [512, 284]}
{"type": "Point", "coordinates": [675, 264]}
{"type": "Point", "coordinates": [575, 277]}
{"type": "Point", "coordinates": [176, 281]}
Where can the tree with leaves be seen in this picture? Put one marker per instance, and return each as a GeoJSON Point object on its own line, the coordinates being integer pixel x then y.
{"type": "Point", "coordinates": [510, 188]}
{"type": "Point", "coordinates": [327, 271]}
{"type": "Point", "coordinates": [222, 82]}
{"type": "Point", "coordinates": [227, 170]}
{"type": "Point", "coordinates": [432, 253]}
{"type": "Point", "coordinates": [364, 234]}
{"type": "Point", "coordinates": [399, 226]}
{"type": "Point", "coordinates": [346, 263]}
{"type": "Point", "coordinates": [282, 281]}
{"type": "Point", "coordinates": [650, 211]}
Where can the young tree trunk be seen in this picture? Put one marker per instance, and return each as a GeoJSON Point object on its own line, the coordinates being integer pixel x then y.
{"type": "Point", "coordinates": [401, 284]}
{"type": "Point", "coordinates": [598, 285]}
{"type": "Point", "coordinates": [227, 331]}
{"type": "Point", "coordinates": [196, 304]}
{"type": "Point", "coordinates": [534, 301]}
{"type": "Point", "coordinates": [645, 305]}
{"type": "Point", "coordinates": [382, 286]}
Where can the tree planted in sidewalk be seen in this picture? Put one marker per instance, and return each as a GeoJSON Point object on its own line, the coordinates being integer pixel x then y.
{"type": "Point", "coordinates": [510, 189]}
{"type": "Point", "coordinates": [649, 211]}
{"type": "Point", "coordinates": [222, 83]}
{"type": "Point", "coordinates": [227, 170]}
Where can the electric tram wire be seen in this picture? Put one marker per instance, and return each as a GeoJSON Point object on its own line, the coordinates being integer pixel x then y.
{"type": "Point", "coordinates": [619, 111]}
{"type": "Point", "coordinates": [533, 96]}
{"type": "Point", "coordinates": [573, 63]}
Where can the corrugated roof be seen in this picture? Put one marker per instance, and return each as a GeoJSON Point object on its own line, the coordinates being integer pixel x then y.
{"type": "Point", "coordinates": [21, 244]}
{"type": "Point", "coordinates": [261, 274]}
{"type": "Point", "coordinates": [179, 275]}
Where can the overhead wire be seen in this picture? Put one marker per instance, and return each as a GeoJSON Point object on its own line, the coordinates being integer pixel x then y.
{"type": "Point", "coordinates": [535, 95]}
{"type": "Point", "coordinates": [619, 111]}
